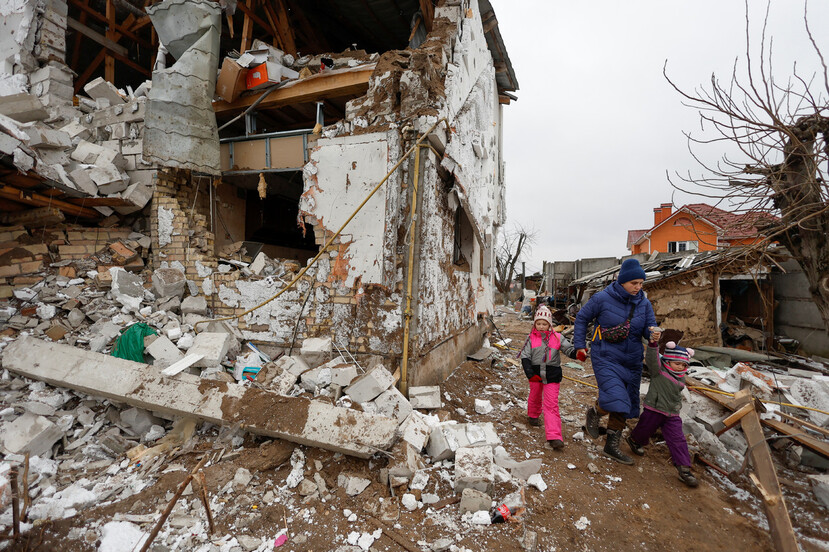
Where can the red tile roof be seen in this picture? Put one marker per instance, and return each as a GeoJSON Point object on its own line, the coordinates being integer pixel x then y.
{"type": "Point", "coordinates": [733, 225]}
{"type": "Point", "coordinates": [634, 235]}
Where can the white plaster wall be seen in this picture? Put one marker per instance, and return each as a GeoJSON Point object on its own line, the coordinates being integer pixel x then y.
{"type": "Point", "coordinates": [17, 33]}
{"type": "Point", "coordinates": [340, 174]}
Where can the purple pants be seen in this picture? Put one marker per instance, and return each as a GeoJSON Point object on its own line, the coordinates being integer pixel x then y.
{"type": "Point", "coordinates": [650, 421]}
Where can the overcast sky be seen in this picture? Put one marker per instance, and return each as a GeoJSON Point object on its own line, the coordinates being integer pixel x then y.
{"type": "Point", "coordinates": [596, 125]}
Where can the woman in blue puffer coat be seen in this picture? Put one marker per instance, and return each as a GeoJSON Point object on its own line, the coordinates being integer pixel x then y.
{"type": "Point", "coordinates": [617, 366]}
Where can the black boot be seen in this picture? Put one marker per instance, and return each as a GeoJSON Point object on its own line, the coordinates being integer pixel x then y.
{"type": "Point", "coordinates": [611, 447]}
{"type": "Point", "coordinates": [635, 447]}
{"type": "Point", "coordinates": [592, 422]}
{"type": "Point", "coordinates": [556, 444]}
{"type": "Point", "coordinates": [533, 421]}
{"type": "Point", "coordinates": [686, 476]}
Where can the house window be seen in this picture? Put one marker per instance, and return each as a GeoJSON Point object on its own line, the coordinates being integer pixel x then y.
{"type": "Point", "coordinates": [680, 246]}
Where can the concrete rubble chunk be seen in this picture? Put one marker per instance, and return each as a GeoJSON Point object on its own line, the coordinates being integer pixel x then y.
{"type": "Point", "coordinates": [164, 351]}
{"type": "Point", "coordinates": [315, 378]}
{"type": "Point", "coordinates": [213, 348]}
{"type": "Point", "coordinates": [473, 500]}
{"type": "Point", "coordinates": [352, 484]}
{"type": "Point", "coordinates": [447, 438]}
{"type": "Point", "coordinates": [415, 431]}
{"type": "Point", "coordinates": [30, 433]}
{"type": "Point", "coordinates": [392, 404]}
{"type": "Point", "coordinates": [23, 107]}
{"type": "Point", "coordinates": [102, 89]}
{"type": "Point", "coordinates": [169, 282]}
{"type": "Point", "coordinates": [519, 470]}
{"type": "Point", "coordinates": [316, 350]}
{"type": "Point", "coordinates": [343, 375]}
{"type": "Point", "coordinates": [474, 469]}
{"type": "Point", "coordinates": [139, 420]}
{"type": "Point", "coordinates": [368, 386]}
{"type": "Point", "coordinates": [295, 419]}
{"type": "Point", "coordinates": [820, 486]}
{"type": "Point", "coordinates": [295, 365]}
{"type": "Point", "coordinates": [194, 305]}
{"type": "Point", "coordinates": [426, 397]}
{"type": "Point", "coordinates": [405, 460]}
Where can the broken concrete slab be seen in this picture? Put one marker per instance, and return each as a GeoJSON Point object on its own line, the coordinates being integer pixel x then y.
{"type": "Point", "coordinates": [102, 89]}
{"type": "Point", "coordinates": [295, 365]}
{"type": "Point", "coordinates": [261, 412]}
{"type": "Point", "coordinates": [139, 420]}
{"type": "Point", "coordinates": [368, 386]}
{"type": "Point", "coordinates": [426, 397]}
{"type": "Point", "coordinates": [415, 430]}
{"type": "Point", "coordinates": [212, 347]}
{"type": "Point", "coordinates": [194, 305]}
{"type": "Point", "coordinates": [405, 460]}
{"type": "Point", "coordinates": [30, 433]}
{"type": "Point", "coordinates": [820, 486]}
{"type": "Point", "coordinates": [23, 107]}
{"type": "Point", "coordinates": [474, 469]}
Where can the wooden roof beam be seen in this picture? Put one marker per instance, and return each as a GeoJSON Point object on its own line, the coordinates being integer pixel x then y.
{"type": "Point", "coordinates": [32, 198]}
{"type": "Point", "coordinates": [340, 82]}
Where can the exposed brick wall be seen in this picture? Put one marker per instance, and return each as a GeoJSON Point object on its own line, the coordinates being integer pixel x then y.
{"type": "Point", "coordinates": [191, 240]}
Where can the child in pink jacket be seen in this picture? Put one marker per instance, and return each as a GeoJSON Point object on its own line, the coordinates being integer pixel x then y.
{"type": "Point", "coordinates": [541, 360]}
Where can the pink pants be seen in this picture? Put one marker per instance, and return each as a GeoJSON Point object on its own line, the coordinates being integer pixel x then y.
{"type": "Point", "coordinates": [544, 397]}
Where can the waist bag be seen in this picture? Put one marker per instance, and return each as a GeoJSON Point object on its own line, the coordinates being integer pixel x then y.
{"type": "Point", "coordinates": [617, 333]}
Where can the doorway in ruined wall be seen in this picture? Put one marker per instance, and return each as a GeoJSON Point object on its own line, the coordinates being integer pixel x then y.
{"type": "Point", "coordinates": [262, 213]}
{"type": "Point", "coordinates": [747, 312]}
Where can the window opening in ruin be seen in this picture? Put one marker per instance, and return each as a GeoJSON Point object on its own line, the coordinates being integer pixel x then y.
{"type": "Point", "coordinates": [680, 246]}
{"type": "Point", "coordinates": [463, 244]}
{"type": "Point", "coordinates": [244, 215]}
{"type": "Point", "coordinates": [744, 314]}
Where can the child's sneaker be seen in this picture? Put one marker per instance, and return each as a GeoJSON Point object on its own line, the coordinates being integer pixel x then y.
{"type": "Point", "coordinates": [533, 421]}
{"type": "Point", "coordinates": [556, 444]}
{"type": "Point", "coordinates": [686, 476]}
{"type": "Point", "coordinates": [635, 447]}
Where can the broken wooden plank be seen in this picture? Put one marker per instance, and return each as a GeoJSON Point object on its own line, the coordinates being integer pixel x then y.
{"type": "Point", "coordinates": [794, 433]}
{"type": "Point", "coordinates": [804, 423]}
{"type": "Point", "coordinates": [732, 420]}
{"type": "Point", "coordinates": [295, 419]}
{"type": "Point", "coordinates": [110, 45]}
{"type": "Point", "coordinates": [331, 84]}
{"type": "Point", "coordinates": [780, 525]}
{"type": "Point", "coordinates": [32, 198]}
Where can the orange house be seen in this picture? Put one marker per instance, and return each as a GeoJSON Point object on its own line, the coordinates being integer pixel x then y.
{"type": "Point", "coordinates": [695, 227]}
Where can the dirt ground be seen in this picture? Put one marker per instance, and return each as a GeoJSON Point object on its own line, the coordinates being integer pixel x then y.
{"type": "Point", "coordinates": [640, 507]}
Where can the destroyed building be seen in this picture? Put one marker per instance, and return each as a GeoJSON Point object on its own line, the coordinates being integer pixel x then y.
{"type": "Point", "coordinates": [261, 131]}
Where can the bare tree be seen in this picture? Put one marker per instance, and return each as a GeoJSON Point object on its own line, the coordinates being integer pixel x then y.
{"type": "Point", "coordinates": [780, 131]}
{"type": "Point", "coordinates": [514, 243]}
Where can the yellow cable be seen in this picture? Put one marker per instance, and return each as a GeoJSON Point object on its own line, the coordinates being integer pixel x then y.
{"type": "Point", "coordinates": [582, 382]}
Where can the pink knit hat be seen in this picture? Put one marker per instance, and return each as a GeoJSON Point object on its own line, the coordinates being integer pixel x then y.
{"type": "Point", "coordinates": [676, 353]}
{"type": "Point", "coordinates": [543, 313]}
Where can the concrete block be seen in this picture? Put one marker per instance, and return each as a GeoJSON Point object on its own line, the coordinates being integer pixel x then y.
{"type": "Point", "coordinates": [294, 365]}
{"type": "Point", "coordinates": [139, 420]}
{"type": "Point", "coordinates": [426, 397]}
{"type": "Point", "coordinates": [86, 152]}
{"type": "Point", "coordinates": [23, 108]}
{"type": "Point", "coordinates": [212, 346]}
{"type": "Point", "coordinates": [40, 137]}
{"type": "Point", "coordinates": [352, 484]}
{"type": "Point", "coordinates": [392, 404]}
{"type": "Point", "coordinates": [126, 283]}
{"type": "Point", "coordinates": [343, 375]}
{"type": "Point", "coordinates": [169, 282]}
{"type": "Point", "coordinates": [474, 469]}
{"type": "Point", "coordinates": [83, 181]}
{"type": "Point", "coordinates": [194, 305]}
{"type": "Point", "coordinates": [820, 486]}
{"type": "Point", "coordinates": [405, 460]}
{"type": "Point", "coordinates": [310, 423]}
{"type": "Point", "coordinates": [283, 382]}
{"type": "Point", "coordinates": [30, 433]}
{"type": "Point", "coordinates": [369, 385]}
{"type": "Point", "coordinates": [446, 439]}
{"type": "Point", "coordinates": [52, 72]}
{"type": "Point", "coordinates": [258, 264]}
{"type": "Point", "coordinates": [99, 88]}
{"type": "Point", "coordinates": [8, 143]}
{"type": "Point", "coordinates": [473, 500]}
{"type": "Point", "coordinates": [316, 350]}
{"type": "Point", "coordinates": [315, 378]}
{"type": "Point", "coordinates": [520, 470]}
{"type": "Point", "coordinates": [165, 351]}
{"type": "Point", "coordinates": [415, 431]}
{"type": "Point", "coordinates": [138, 194]}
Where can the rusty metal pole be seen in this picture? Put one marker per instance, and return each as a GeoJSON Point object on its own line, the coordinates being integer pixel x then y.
{"type": "Point", "coordinates": [407, 313]}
